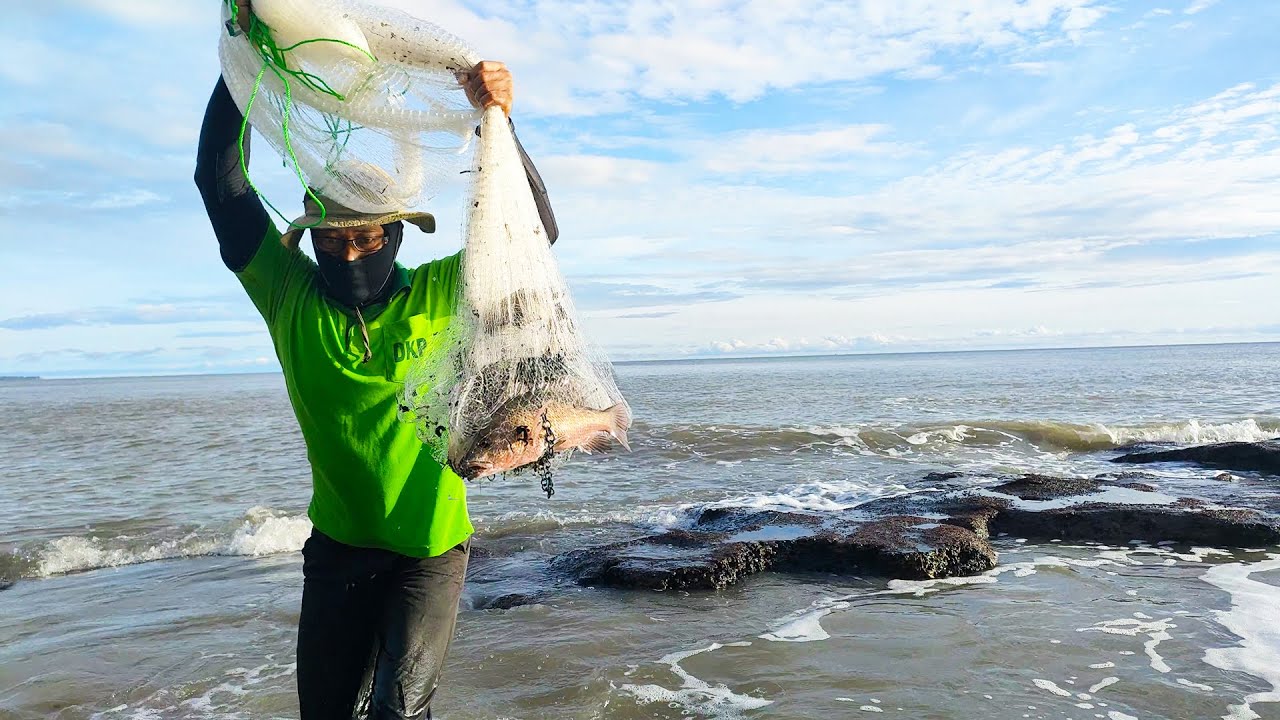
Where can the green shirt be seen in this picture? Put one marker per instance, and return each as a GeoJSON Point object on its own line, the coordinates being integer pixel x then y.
{"type": "Point", "coordinates": [374, 483]}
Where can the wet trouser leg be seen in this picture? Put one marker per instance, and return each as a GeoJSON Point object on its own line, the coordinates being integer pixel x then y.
{"type": "Point", "coordinates": [375, 629]}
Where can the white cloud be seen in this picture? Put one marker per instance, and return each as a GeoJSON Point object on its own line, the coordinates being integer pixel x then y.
{"type": "Point", "coordinates": [576, 59]}
{"type": "Point", "coordinates": [125, 200]}
{"type": "Point", "coordinates": [1199, 6]}
{"type": "Point", "coordinates": [1034, 68]}
{"type": "Point", "coordinates": [1207, 170]}
{"type": "Point", "coordinates": [793, 151]}
{"type": "Point", "coordinates": [826, 217]}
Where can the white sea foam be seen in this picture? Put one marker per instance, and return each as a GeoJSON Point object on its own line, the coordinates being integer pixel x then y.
{"type": "Point", "coordinates": [1118, 495]}
{"type": "Point", "coordinates": [74, 554]}
{"type": "Point", "coordinates": [217, 702]}
{"type": "Point", "coordinates": [1157, 631]}
{"type": "Point", "coordinates": [1192, 432]}
{"type": "Point", "coordinates": [694, 695]}
{"type": "Point", "coordinates": [655, 516]}
{"type": "Point", "coordinates": [1050, 686]}
{"type": "Point", "coordinates": [957, 434]}
{"type": "Point", "coordinates": [819, 496]}
{"type": "Point", "coordinates": [807, 627]}
{"type": "Point", "coordinates": [1104, 682]}
{"type": "Point", "coordinates": [262, 532]}
{"type": "Point", "coordinates": [266, 532]}
{"type": "Point", "coordinates": [1050, 435]}
{"type": "Point", "coordinates": [1255, 617]}
{"type": "Point", "coordinates": [1196, 685]}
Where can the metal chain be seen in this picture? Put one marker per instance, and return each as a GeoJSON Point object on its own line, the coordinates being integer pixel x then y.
{"type": "Point", "coordinates": [542, 467]}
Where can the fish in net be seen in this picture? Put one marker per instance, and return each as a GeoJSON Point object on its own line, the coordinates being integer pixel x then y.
{"type": "Point", "coordinates": [365, 104]}
{"type": "Point", "coordinates": [515, 384]}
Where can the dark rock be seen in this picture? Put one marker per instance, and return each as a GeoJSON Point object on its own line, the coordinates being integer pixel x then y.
{"type": "Point", "coordinates": [902, 546]}
{"type": "Point", "coordinates": [906, 547]}
{"type": "Point", "coordinates": [1145, 446]}
{"type": "Point", "coordinates": [1044, 487]}
{"type": "Point", "coordinates": [977, 519]}
{"type": "Point", "coordinates": [1125, 475]}
{"type": "Point", "coordinates": [1116, 524]}
{"type": "Point", "coordinates": [731, 520]}
{"type": "Point", "coordinates": [5, 584]}
{"type": "Point", "coordinates": [506, 602]}
{"type": "Point", "coordinates": [677, 560]}
{"type": "Point", "coordinates": [921, 535]}
{"type": "Point", "coordinates": [1261, 457]}
{"type": "Point", "coordinates": [1047, 487]}
{"type": "Point", "coordinates": [1183, 520]}
{"type": "Point", "coordinates": [942, 476]}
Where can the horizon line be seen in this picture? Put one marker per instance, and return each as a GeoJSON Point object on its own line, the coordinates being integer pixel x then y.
{"type": "Point", "coordinates": [711, 358]}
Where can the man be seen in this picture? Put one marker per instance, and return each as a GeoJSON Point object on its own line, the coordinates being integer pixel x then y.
{"type": "Point", "coordinates": [384, 567]}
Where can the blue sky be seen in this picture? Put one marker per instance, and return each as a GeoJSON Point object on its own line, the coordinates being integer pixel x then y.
{"type": "Point", "coordinates": [731, 177]}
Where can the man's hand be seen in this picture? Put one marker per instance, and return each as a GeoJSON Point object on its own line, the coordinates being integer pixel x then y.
{"type": "Point", "coordinates": [488, 84]}
{"type": "Point", "coordinates": [242, 14]}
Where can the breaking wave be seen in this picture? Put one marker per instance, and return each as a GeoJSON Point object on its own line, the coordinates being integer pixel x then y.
{"type": "Point", "coordinates": [726, 442]}
{"type": "Point", "coordinates": [261, 531]}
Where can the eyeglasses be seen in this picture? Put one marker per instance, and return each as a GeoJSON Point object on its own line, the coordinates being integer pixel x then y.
{"type": "Point", "coordinates": [334, 245]}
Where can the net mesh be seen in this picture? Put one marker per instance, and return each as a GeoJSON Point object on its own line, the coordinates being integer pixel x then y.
{"type": "Point", "coordinates": [366, 103]}
{"type": "Point", "coordinates": [515, 384]}
{"type": "Point", "coordinates": [363, 101]}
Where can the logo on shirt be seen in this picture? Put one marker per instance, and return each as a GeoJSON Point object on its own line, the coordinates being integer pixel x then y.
{"type": "Point", "coordinates": [412, 348]}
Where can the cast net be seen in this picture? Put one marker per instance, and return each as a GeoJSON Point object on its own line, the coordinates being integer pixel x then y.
{"type": "Point", "coordinates": [515, 384]}
{"type": "Point", "coordinates": [365, 103]}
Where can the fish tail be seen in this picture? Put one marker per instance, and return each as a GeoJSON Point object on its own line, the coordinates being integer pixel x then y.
{"type": "Point", "coordinates": [619, 423]}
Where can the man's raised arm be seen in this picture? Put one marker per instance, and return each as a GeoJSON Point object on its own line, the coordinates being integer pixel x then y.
{"type": "Point", "coordinates": [238, 217]}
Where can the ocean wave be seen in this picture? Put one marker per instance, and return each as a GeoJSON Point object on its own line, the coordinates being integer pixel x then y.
{"type": "Point", "coordinates": [262, 531]}
{"type": "Point", "coordinates": [519, 522]}
{"type": "Point", "coordinates": [726, 444]}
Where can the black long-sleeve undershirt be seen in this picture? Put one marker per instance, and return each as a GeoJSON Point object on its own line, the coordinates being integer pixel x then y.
{"type": "Point", "coordinates": [238, 216]}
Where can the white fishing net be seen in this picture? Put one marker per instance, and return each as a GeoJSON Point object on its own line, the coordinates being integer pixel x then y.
{"type": "Point", "coordinates": [515, 381]}
{"type": "Point", "coordinates": [363, 101]}
{"type": "Point", "coordinates": [367, 101]}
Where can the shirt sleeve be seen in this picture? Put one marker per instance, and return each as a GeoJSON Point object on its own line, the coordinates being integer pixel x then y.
{"type": "Point", "coordinates": [434, 287]}
{"type": "Point", "coordinates": [277, 278]}
{"type": "Point", "coordinates": [234, 209]}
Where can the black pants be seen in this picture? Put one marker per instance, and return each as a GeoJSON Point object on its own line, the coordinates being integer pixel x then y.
{"type": "Point", "coordinates": [375, 629]}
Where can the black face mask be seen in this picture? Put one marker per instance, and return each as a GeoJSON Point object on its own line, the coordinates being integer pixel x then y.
{"type": "Point", "coordinates": [361, 282]}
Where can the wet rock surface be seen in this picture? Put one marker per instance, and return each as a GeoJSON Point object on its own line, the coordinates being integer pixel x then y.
{"type": "Point", "coordinates": [940, 533]}
{"type": "Point", "coordinates": [1260, 457]}
{"type": "Point", "coordinates": [506, 602]}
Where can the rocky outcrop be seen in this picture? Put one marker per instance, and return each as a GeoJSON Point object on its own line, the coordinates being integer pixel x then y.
{"type": "Point", "coordinates": [722, 549]}
{"type": "Point", "coordinates": [923, 535]}
{"type": "Point", "coordinates": [1260, 457]}
{"type": "Point", "coordinates": [505, 602]}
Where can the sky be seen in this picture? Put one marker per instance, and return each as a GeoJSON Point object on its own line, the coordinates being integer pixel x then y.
{"type": "Point", "coordinates": [731, 177]}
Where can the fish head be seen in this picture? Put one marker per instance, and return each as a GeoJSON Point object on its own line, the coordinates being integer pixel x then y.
{"type": "Point", "coordinates": [508, 442]}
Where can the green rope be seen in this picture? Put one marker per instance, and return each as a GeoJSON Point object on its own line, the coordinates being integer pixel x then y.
{"type": "Point", "coordinates": [275, 59]}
